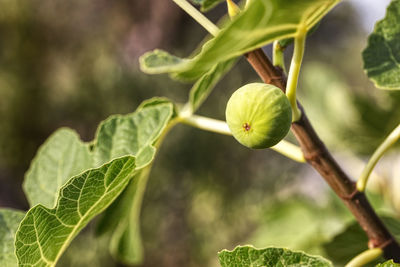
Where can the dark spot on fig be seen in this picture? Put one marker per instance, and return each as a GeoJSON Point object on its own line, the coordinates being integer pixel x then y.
{"type": "Point", "coordinates": [246, 127]}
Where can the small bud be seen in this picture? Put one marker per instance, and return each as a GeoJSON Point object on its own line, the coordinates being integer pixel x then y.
{"type": "Point", "coordinates": [233, 9]}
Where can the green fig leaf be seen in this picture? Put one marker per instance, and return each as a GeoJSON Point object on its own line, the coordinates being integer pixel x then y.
{"type": "Point", "coordinates": [390, 263]}
{"type": "Point", "coordinates": [62, 156]}
{"type": "Point", "coordinates": [160, 61]}
{"type": "Point", "coordinates": [248, 256]}
{"type": "Point", "coordinates": [204, 86]}
{"type": "Point", "coordinates": [44, 233]}
{"type": "Point", "coordinates": [262, 22]}
{"type": "Point", "coordinates": [126, 242]}
{"type": "Point", "coordinates": [154, 102]}
{"type": "Point", "coordinates": [132, 134]}
{"type": "Point", "coordinates": [135, 135]}
{"type": "Point", "coordinates": [9, 221]}
{"type": "Point", "coordinates": [382, 55]}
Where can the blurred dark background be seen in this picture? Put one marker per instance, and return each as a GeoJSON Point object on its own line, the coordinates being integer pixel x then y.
{"type": "Point", "coordinates": [73, 63]}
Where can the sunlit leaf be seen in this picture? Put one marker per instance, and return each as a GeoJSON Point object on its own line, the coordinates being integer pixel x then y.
{"type": "Point", "coordinates": [89, 193]}
{"type": "Point", "coordinates": [248, 256]}
{"type": "Point", "coordinates": [382, 55]}
{"type": "Point", "coordinates": [62, 156]}
{"type": "Point", "coordinates": [160, 61]}
{"type": "Point", "coordinates": [132, 134]}
{"type": "Point", "coordinates": [390, 263]}
{"type": "Point", "coordinates": [44, 233]}
{"type": "Point", "coordinates": [261, 23]}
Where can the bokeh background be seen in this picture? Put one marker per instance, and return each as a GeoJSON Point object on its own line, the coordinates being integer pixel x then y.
{"type": "Point", "coordinates": [73, 63]}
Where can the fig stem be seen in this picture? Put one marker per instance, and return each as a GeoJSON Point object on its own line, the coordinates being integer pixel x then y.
{"type": "Point", "coordinates": [198, 16]}
{"type": "Point", "coordinates": [365, 257]}
{"type": "Point", "coordinates": [207, 124]}
{"type": "Point", "coordinates": [289, 150]}
{"type": "Point", "coordinates": [294, 71]}
{"type": "Point", "coordinates": [278, 56]}
{"type": "Point", "coordinates": [392, 138]}
{"type": "Point", "coordinates": [212, 125]}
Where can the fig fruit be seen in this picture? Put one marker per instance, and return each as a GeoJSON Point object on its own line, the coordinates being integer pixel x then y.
{"type": "Point", "coordinates": [259, 115]}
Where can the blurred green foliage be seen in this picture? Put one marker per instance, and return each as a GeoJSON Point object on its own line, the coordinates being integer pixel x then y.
{"type": "Point", "coordinates": [74, 63]}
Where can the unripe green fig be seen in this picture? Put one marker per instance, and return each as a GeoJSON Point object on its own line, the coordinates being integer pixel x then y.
{"type": "Point", "coordinates": [259, 115]}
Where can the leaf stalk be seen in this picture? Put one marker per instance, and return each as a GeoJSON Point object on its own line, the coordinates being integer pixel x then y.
{"type": "Point", "coordinates": [393, 137]}
{"type": "Point", "coordinates": [294, 71]}
{"type": "Point", "coordinates": [278, 56]}
{"type": "Point", "coordinates": [365, 257]}
{"type": "Point", "coordinates": [198, 16]}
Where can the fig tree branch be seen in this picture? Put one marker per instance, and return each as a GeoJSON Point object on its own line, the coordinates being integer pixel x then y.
{"type": "Point", "coordinates": [318, 156]}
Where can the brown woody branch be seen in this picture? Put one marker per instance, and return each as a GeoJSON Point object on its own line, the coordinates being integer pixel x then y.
{"type": "Point", "coordinates": [316, 154]}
